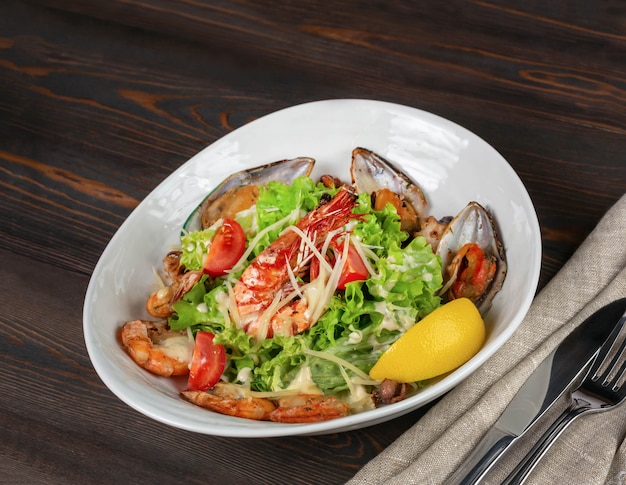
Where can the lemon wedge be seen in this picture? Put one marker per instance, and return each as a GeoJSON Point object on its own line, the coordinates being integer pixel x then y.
{"type": "Point", "coordinates": [439, 343]}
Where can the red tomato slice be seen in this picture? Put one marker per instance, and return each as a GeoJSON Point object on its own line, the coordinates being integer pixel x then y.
{"type": "Point", "coordinates": [353, 270]}
{"type": "Point", "coordinates": [208, 363]}
{"type": "Point", "coordinates": [227, 247]}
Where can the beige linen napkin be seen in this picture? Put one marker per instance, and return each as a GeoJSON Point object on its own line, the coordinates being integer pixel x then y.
{"type": "Point", "coordinates": [591, 451]}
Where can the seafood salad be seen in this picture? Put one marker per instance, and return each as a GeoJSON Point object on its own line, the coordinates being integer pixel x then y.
{"type": "Point", "coordinates": [285, 291]}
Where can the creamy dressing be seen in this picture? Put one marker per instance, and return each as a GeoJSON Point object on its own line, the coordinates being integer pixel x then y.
{"type": "Point", "coordinates": [244, 375]}
{"type": "Point", "coordinates": [360, 399]}
{"type": "Point", "coordinates": [313, 294]}
{"type": "Point", "coordinates": [303, 382]}
{"type": "Point", "coordinates": [388, 322]}
{"type": "Point", "coordinates": [355, 336]}
{"type": "Point", "coordinates": [179, 348]}
{"type": "Point", "coordinates": [222, 299]}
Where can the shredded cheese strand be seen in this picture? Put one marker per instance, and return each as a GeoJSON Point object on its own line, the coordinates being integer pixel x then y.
{"type": "Point", "coordinates": [255, 241]}
{"type": "Point", "coordinates": [266, 316]}
{"type": "Point", "coordinates": [339, 361]}
{"type": "Point", "coordinates": [294, 281]}
{"type": "Point", "coordinates": [361, 250]}
{"type": "Point", "coordinates": [223, 301]}
{"type": "Point", "coordinates": [444, 289]}
{"type": "Point", "coordinates": [273, 394]}
{"type": "Point", "coordinates": [329, 285]}
{"type": "Point", "coordinates": [310, 244]}
{"type": "Point", "coordinates": [232, 305]}
{"type": "Point", "coordinates": [349, 382]}
{"type": "Point", "coordinates": [157, 276]}
{"type": "Point", "coordinates": [365, 382]}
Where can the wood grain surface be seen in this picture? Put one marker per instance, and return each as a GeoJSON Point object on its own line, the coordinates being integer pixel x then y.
{"type": "Point", "coordinates": [100, 101]}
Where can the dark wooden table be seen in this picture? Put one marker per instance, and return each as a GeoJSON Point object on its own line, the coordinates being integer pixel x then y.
{"type": "Point", "coordinates": [100, 101]}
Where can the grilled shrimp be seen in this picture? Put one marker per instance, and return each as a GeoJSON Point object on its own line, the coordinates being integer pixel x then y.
{"type": "Point", "coordinates": [172, 266]}
{"type": "Point", "coordinates": [156, 348]}
{"type": "Point", "coordinates": [308, 408]}
{"type": "Point", "coordinates": [159, 303]}
{"type": "Point", "coordinates": [269, 276]}
{"type": "Point", "coordinates": [227, 399]}
{"type": "Point", "coordinates": [224, 399]}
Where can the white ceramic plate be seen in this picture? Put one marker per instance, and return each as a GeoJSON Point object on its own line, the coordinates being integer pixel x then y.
{"type": "Point", "coordinates": [452, 165]}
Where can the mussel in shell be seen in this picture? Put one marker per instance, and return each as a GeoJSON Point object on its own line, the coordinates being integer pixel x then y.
{"type": "Point", "coordinates": [372, 174]}
{"type": "Point", "coordinates": [240, 191]}
{"type": "Point", "coordinates": [473, 258]}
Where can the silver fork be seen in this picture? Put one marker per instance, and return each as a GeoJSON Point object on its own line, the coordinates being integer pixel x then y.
{"type": "Point", "coordinates": [601, 389]}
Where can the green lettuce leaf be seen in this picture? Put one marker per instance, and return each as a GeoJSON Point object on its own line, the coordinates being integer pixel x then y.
{"type": "Point", "coordinates": [360, 322]}
{"type": "Point", "coordinates": [200, 306]}
{"type": "Point", "coordinates": [194, 246]}
{"type": "Point", "coordinates": [277, 201]}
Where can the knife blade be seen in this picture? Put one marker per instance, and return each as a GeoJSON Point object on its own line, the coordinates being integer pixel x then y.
{"type": "Point", "coordinates": [545, 385]}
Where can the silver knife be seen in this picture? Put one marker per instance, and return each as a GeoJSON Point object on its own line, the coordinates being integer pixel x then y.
{"type": "Point", "coordinates": [545, 385]}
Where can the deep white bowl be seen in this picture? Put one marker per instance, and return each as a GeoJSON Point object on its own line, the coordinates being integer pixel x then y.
{"type": "Point", "coordinates": [452, 165]}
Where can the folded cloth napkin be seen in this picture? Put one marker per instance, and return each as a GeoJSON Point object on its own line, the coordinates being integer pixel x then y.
{"type": "Point", "coordinates": [591, 451]}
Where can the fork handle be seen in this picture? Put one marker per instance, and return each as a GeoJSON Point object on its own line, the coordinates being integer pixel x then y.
{"type": "Point", "coordinates": [528, 463]}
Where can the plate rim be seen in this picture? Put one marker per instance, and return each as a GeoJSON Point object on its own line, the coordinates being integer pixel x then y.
{"type": "Point", "coordinates": [352, 422]}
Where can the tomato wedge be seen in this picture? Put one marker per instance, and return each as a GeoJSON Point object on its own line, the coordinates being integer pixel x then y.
{"type": "Point", "coordinates": [353, 270]}
{"type": "Point", "coordinates": [207, 364]}
{"type": "Point", "coordinates": [227, 247]}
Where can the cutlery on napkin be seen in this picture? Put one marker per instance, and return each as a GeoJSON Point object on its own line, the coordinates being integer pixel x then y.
{"type": "Point", "coordinates": [591, 451]}
{"type": "Point", "coordinates": [557, 374]}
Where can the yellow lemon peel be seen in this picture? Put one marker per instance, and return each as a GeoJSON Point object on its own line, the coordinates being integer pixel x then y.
{"type": "Point", "coordinates": [439, 343]}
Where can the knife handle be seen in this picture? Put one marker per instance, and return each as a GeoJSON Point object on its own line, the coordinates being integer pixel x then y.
{"type": "Point", "coordinates": [481, 459]}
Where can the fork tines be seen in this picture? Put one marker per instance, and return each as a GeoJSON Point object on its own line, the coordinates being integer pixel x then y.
{"type": "Point", "coordinates": [612, 376]}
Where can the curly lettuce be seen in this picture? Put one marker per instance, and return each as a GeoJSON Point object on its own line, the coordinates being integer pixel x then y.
{"type": "Point", "coordinates": [278, 205]}
{"type": "Point", "coordinates": [359, 324]}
